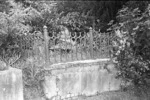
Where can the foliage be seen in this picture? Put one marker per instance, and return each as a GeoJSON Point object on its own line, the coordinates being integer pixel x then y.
{"type": "Point", "coordinates": [132, 44]}
{"type": "Point", "coordinates": [21, 24]}
{"type": "Point", "coordinates": [3, 66]}
{"type": "Point", "coordinates": [33, 76]}
{"type": "Point", "coordinates": [94, 13]}
{"type": "Point", "coordinates": [4, 6]}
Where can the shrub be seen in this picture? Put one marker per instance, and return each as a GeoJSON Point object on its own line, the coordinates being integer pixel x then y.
{"type": "Point", "coordinates": [131, 47]}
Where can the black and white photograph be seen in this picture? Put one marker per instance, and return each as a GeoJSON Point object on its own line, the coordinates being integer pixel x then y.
{"type": "Point", "coordinates": [74, 50]}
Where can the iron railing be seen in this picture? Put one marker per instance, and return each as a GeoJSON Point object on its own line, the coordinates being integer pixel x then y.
{"type": "Point", "coordinates": [72, 46]}
{"type": "Point", "coordinates": [20, 48]}
{"type": "Point", "coordinates": [62, 47]}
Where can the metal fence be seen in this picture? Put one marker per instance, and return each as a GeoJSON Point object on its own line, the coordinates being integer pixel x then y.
{"type": "Point", "coordinates": [20, 48]}
{"type": "Point", "coordinates": [72, 46]}
{"type": "Point", "coordinates": [59, 47]}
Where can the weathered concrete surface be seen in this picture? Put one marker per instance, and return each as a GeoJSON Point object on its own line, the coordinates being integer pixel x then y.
{"type": "Point", "coordinates": [85, 79]}
{"type": "Point", "coordinates": [11, 87]}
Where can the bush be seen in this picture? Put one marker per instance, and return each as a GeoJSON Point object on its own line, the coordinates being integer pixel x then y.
{"type": "Point", "coordinates": [131, 47]}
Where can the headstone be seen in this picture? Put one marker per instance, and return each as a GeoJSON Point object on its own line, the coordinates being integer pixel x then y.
{"type": "Point", "coordinates": [11, 85]}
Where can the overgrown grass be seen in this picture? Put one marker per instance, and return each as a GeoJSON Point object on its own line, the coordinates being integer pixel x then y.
{"type": "Point", "coordinates": [33, 76]}
{"type": "Point", "coordinates": [132, 93]}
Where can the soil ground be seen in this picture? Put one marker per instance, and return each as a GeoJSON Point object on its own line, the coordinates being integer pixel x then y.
{"type": "Point", "coordinates": [111, 95]}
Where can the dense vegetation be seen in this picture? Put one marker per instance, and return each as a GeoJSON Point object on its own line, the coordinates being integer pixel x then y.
{"type": "Point", "coordinates": [131, 47]}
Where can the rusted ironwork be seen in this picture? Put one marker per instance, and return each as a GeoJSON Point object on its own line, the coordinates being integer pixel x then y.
{"type": "Point", "coordinates": [72, 46]}
{"type": "Point", "coordinates": [61, 47]}
{"type": "Point", "coordinates": [46, 38]}
{"type": "Point", "coordinates": [22, 48]}
{"type": "Point", "coordinates": [91, 42]}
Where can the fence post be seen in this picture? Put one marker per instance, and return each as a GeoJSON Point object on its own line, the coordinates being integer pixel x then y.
{"type": "Point", "coordinates": [91, 42]}
{"type": "Point", "coordinates": [46, 47]}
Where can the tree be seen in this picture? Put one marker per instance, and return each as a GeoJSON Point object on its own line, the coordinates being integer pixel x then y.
{"type": "Point", "coordinates": [98, 12]}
